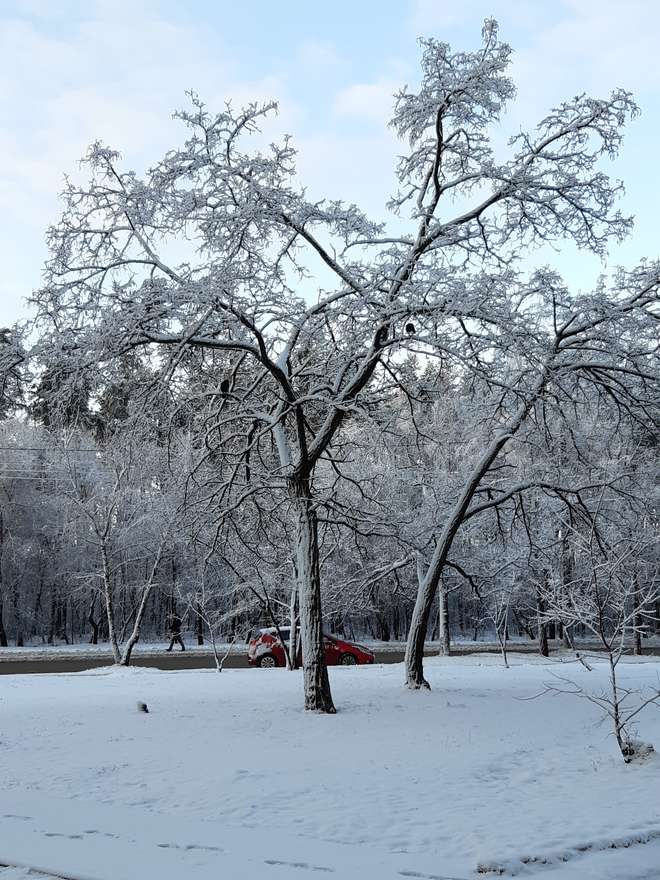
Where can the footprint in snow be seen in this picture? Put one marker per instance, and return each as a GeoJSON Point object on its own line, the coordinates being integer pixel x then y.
{"type": "Point", "coordinates": [418, 876]}
{"type": "Point", "coordinates": [67, 836]}
{"type": "Point", "coordinates": [190, 846]}
{"type": "Point", "coordinates": [298, 865]}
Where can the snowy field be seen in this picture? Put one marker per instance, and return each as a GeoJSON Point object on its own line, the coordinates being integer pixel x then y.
{"type": "Point", "coordinates": [227, 777]}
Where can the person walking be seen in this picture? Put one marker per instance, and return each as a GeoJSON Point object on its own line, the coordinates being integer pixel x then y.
{"type": "Point", "coordinates": [174, 630]}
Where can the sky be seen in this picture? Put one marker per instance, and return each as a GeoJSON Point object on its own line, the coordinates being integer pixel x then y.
{"type": "Point", "coordinates": [72, 72]}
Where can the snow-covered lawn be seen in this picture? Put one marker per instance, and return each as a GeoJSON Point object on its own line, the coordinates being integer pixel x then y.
{"type": "Point", "coordinates": [228, 777]}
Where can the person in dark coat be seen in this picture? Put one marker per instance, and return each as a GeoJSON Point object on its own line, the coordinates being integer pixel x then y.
{"type": "Point", "coordinates": [174, 630]}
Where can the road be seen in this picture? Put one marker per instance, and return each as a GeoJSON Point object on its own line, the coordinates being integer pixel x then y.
{"type": "Point", "coordinates": [202, 659]}
{"type": "Point", "coordinates": [197, 659]}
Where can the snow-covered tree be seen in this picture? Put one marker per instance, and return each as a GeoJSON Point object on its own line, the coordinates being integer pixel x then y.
{"type": "Point", "coordinates": [209, 260]}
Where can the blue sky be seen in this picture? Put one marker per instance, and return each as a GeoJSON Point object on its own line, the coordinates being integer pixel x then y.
{"type": "Point", "coordinates": [72, 72]}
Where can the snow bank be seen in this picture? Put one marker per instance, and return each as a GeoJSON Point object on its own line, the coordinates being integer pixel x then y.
{"type": "Point", "coordinates": [438, 783]}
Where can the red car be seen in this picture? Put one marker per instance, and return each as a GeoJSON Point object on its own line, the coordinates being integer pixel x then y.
{"type": "Point", "coordinates": [266, 650]}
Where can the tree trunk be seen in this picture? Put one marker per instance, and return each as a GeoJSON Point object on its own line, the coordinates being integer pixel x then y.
{"type": "Point", "coordinates": [502, 629]}
{"type": "Point", "coordinates": [18, 615]}
{"type": "Point", "coordinates": [543, 627]}
{"type": "Point", "coordinates": [637, 627]}
{"type": "Point", "coordinates": [199, 624]}
{"type": "Point", "coordinates": [428, 583]}
{"type": "Point", "coordinates": [62, 621]}
{"type": "Point", "coordinates": [3, 632]}
{"type": "Point", "coordinates": [109, 603]}
{"type": "Point", "coordinates": [292, 654]}
{"type": "Point", "coordinates": [37, 601]}
{"type": "Point", "coordinates": [53, 608]}
{"type": "Point", "coordinates": [139, 616]}
{"type": "Point", "coordinates": [444, 647]}
{"type": "Point", "coordinates": [461, 616]}
{"type": "Point", "coordinates": [94, 638]}
{"type": "Point", "coordinates": [414, 660]}
{"type": "Point", "coordinates": [566, 578]}
{"type": "Point", "coordinates": [419, 623]}
{"type": "Point", "coordinates": [396, 623]}
{"type": "Point", "coordinates": [318, 697]}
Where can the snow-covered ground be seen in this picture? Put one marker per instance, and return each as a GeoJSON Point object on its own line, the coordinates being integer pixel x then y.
{"type": "Point", "coordinates": [228, 777]}
{"type": "Point", "coordinates": [83, 649]}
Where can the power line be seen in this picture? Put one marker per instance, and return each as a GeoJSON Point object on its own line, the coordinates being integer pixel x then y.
{"type": "Point", "coordinates": [44, 449]}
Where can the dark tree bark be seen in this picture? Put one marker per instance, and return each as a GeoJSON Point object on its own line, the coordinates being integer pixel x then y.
{"type": "Point", "coordinates": [637, 628]}
{"type": "Point", "coordinates": [53, 610]}
{"type": "Point", "coordinates": [461, 616]}
{"type": "Point", "coordinates": [37, 601]}
{"type": "Point", "coordinates": [199, 625]}
{"type": "Point", "coordinates": [18, 617]}
{"type": "Point", "coordinates": [428, 586]}
{"type": "Point", "coordinates": [141, 610]}
{"type": "Point", "coordinates": [566, 577]}
{"type": "Point", "coordinates": [318, 697]}
{"type": "Point", "coordinates": [94, 638]}
{"type": "Point", "coordinates": [3, 633]}
{"type": "Point", "coordinates": [109, 602]}
{"type": "Point", "coordinates": [543, 627]}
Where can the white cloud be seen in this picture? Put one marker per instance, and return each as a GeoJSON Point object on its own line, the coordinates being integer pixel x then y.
{"type": "Point", "coordinates": [117, 70]}
{"type": "Point", "coordinates": [115, 76]}
{"type": "Point", "coordinates": [356, 168]}
{"type": "Point", "coordinates": [369, 101]}
{"type": "Point", "coordinates": [438, 17]}
{"type": "Point", "coordinates": [319, 57]}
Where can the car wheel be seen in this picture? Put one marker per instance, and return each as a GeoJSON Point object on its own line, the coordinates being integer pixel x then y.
{"type": "Point", "coordinates": [267, 661]}
{"type": "Point", "coordinates": [348, 660]}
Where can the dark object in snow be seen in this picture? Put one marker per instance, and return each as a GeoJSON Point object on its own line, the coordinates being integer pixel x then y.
{"type": "Point", "coordinates": [224, 386]}
{"type": "Point", "coordinates": [410, 328]}
{"type": "Point", "coordinates": [142, 707]}
{"type": "Point", "coordinates": [636, 750]}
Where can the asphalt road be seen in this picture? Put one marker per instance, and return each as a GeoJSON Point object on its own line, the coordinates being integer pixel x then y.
{"type": "Point", "coordinates": [204, 660]}
{"type": "Point", "coordinates": [197, 660]}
